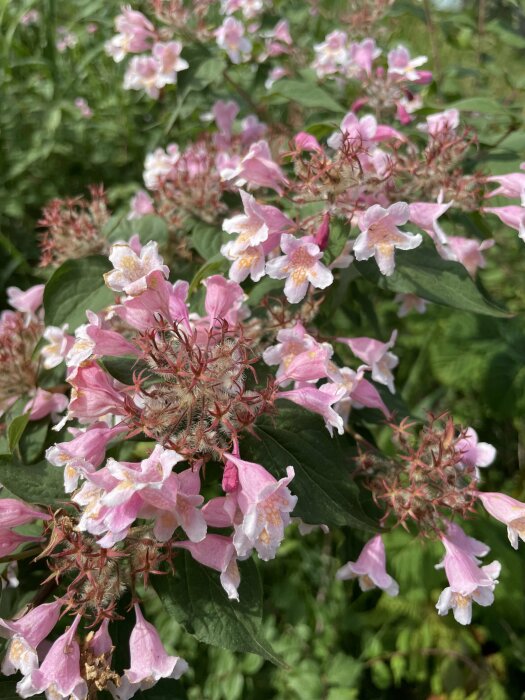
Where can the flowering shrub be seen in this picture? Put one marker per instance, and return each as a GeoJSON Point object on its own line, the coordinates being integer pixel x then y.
{"type": "Point", "coordinates": [210, 367]}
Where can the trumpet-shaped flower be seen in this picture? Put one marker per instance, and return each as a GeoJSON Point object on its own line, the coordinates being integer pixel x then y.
{"type": "Point", "coordinates": [265, 504]}
{"type": "Point", "coordinates": [380, 235]}
{"type": "Point", "coordinates": [149, 661]}
{"type": "Point", "coordinates": [370, 568]}
{"type": "Point", "coordinates": [301, 266]}
{"type": "Point", "coordinates": [131, 271]}
{"type": "Point", "coordinates": [508, 511]}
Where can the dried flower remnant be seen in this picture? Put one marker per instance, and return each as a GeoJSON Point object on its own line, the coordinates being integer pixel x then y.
{"type": "Point", "coordinates": [73, 228]}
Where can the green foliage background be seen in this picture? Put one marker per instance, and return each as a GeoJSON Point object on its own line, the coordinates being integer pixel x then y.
{"type": "Point", "coordinates": [337, 643]}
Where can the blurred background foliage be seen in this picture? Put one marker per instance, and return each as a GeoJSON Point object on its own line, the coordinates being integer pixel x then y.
{"type": "Point", "coordinates": [339, 644]}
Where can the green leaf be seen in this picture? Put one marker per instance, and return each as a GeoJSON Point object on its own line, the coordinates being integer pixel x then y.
{"type": "Point", "coordinates": [76, 286]}
{"type": "Point", "coordinates": [306, 94]}
{"type": "Point", "coordinates": [206, 239]}
{"type": "Point", "coordinates": [423, 272]}
{"type": "Point", "coordinates": [150, 228]}
{"type": "Point", "coordinates": [483, 105]}
{"type": "Point", "coordinates": [123, 368]}
{"type": "Point", "coordinates": [15, 430]}
{"type": "Point", "coordinates": [215, 265]}
{"type": "Point", "coordinates": [339, 234]}
{"type": "Point", "coordinates": [33, 440]}
{"type": "Point", "coordinates": [35, 483]}
{"type": "Point", "coordinates": [322, 483]}
{"type": "Point", "coordinates": [196, 599]}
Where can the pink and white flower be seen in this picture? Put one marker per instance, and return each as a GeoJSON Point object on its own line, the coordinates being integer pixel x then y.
{"type": "Point", "coordinates": [508, 511]}
{"type": "Point", "coordinates": [25, 635]}
{"type": "Point", "coordinates": [301, 266]}
{"type": "Point", "coordinates": [59, 344]}
{"type": "Point", "coordinates": [370, 568]}
{"type": "Point", "coordinates": [59, 674]}
{"type": "Point", "coordinates": [218, 553]}
{"type": "Point", "coordinates": [473, 453]}
{"type": "Point", "coordinates": [131, 271]}
{"type": "Point", "coordinates": [376, 355]}
{"type": "Point", "coordinates": [230, 37]}
{"type": "Point", "coordinates": [265, 504]}
{"type": "Point", "coordinates": [381, 236]}
{"type": "Point", "coordinates": [149, 661]}
{"type": "Point", "coordinates": [467, 582]}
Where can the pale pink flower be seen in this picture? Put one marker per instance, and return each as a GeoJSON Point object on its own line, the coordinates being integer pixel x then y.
{"type": "Point", "coordinates": [30, 17]}
{"type": "Point", "coordinates": [135, 34]}
{"type": "Point", "coordinates": [408, 303]}
{"type": "Point", "coordinates": [274, 75]}
{"type": "Point", "coordinates": [332, 54]}
{"type": "Point", "coordinates": [141, 205]}
{"type": "Point", "coordinates": [474, 453]}
{"type": "Point", "coordinates": [508, 511]}
{"type": "Point", "coordinates": [359, 392]}
{"type": "Point", "coordinates": [511, 185]}
{"type": "Point", "coordinates": [176, 504]}
{"type": "Point", "coordinates": [45, 403]}
{"type": "Point", "coordinates": [426, 215]}
{"type": "Point", "coordinates": [362, 55]}
{"type": "Point", "coordinates": [97, 339]}
{"type": "Point", "coordinates": [370, 568]}
{"type": "Point", "coordinates": [307, 142]}
{"type": "Point", "coordinates": [230, 37]}
{"type": "Point", "coordinates": [59, 344]}
{"type": "Point", "coordinates": [467, 582]}
{"type": "Point", "coordinates": [149, 661]}
{"type": "Point", "coordinates": [84, 453]}
{"type": "Point", "coordinates": [143, 73]}
{"type": "Point", "coordinates": [474, 548]}
{"type": "Point", "coordinates": [223, 298]}
{"type": "Point", "coordinates": [131, 271]}
{"type": "Point", "coordinates": [468, 252]}
{"type": "Point", "coordinates": [59, 674]}
{"type": "Point", "coordinates": [151, 473]}
{"type": "Point", "coordinates": [218, 553]}
{"type": "Point", "coordinates": [258, 169]}
{"type": "Point", "coordinates": [170, 62]}
{"type": "Point", "coordinates": [308, 366]}
{"type": "Point", "coordinates": [83, 107]}
{"type": "Point", "coordinates": [248, 261]}
{"type": "Point", "coordinates": [25, 634]}
{"type": "Point", "coordinates": [441, 122]}
{"type": "Point", "coordinates": [94, 393]}
{"type": "Point", "coordinates": [377, 356]}
{"type": "Point", "coordinates": [291, 342]}
{"type": "Point", "coordinates": [159, 164]}
{"type": "Point", "coordinates": [14, 512]}
{"type": "Point", "coordinates": [28, 301]}
{"type": "Point", "coordinates": [161, 299]}
{"type": "Point", "coordinates": [10, 541]}
{"type": "Point", "coordinates": [359, 131]}
{"type": "Point", "coordinates": [301, 266]}
{"type": "Point", "coordinates": [381, 236]}
{"type": "Point", "coordinates": [252, 130]}
{"type": "Point", "coordinates": [257, 223]}
{"type": "Point", "coordinates": [265, 504]}
{"type": "Point", "coordinates": [319, 401]}
{"type": "Point", "coordinates": [511, 215]}
{"type": "Point", "coordinates": [401, 66]}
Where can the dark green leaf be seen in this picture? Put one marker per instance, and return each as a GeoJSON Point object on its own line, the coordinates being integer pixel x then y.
{"type": "Point", "coordinates": [77, 285]}
{"type": "Point", "coordinates": [322, 483]}
{"type": "Point", "coordinates": [339, 234]}
{"type": "Point", "coordinates": [196, 599]}
{"type": "Point", "coordinates": [33, 440]}
{"type": "Point", "coordinates": [123, 368]}
{"type": "Point", "coordinates": [306, 94]}
{"type": "Point", "coordinates": [423, 272]}
{"type": "Point", "coordinates": [150, 228]}
{"type": "Point", "coordinates": [206, 239]}
{"type": "Point", "coordinates": [15, 430]}
{"type": "Point", "coordinates": [35, 483]}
